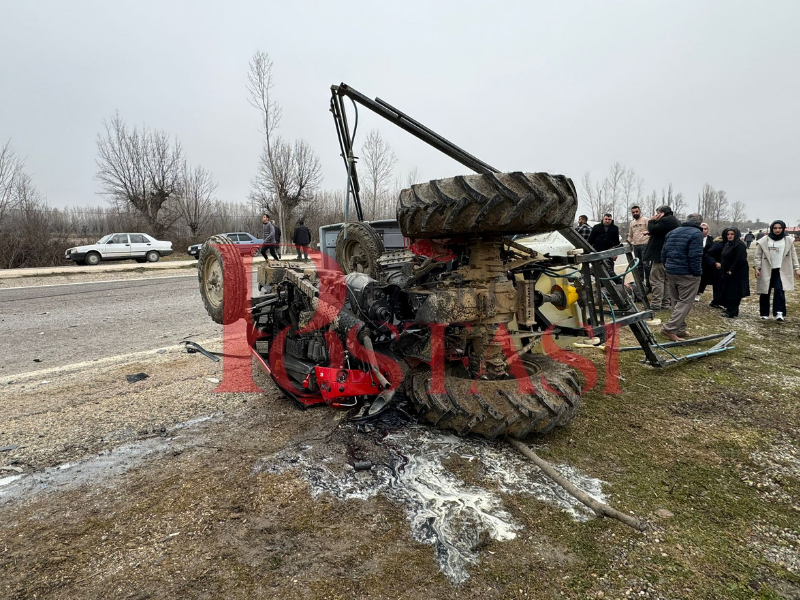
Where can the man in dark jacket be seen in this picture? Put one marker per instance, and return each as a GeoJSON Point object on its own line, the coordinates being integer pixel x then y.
{"type": "Point", "coordinates": [658, 227]}
{"type": "Point", "coordinates": [269, 237]}
{"type": "Point", "coordinates": [301, 239]}
{"type": "Point", "coordinates": [749, 238]}
{"type": "Point", "coordinates": [605, 235]}
{"type": "Point", "coordinates": [682, 257]}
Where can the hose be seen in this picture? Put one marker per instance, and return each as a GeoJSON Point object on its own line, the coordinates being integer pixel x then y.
{"type": "Point", "coordinates": [622, 275]}
{"type": "Point", "coordinates": [350, 160]}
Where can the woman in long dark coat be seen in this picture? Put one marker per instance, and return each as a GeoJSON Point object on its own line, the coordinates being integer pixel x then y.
{"type": "Point", "coordinates": [735, 272]}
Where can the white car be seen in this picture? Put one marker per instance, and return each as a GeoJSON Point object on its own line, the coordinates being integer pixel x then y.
{"type": "Point", "coordinates": [120, 246]}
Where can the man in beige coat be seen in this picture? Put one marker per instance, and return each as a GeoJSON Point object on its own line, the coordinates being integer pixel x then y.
{"type": "Point", "coordinates": [776, 258]}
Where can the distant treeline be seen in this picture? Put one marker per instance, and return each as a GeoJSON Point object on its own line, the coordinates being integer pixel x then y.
{"type": "Point", "coordinates": [36, 235]}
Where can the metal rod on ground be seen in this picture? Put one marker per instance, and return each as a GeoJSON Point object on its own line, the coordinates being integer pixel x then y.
{"type": "Point", "coordinates": [683, 343]}
{"type": "Point", "coordinates": [599, 508]}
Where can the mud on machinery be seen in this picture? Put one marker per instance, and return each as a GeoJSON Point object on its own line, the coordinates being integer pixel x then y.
{"type": "Point", "coordinates": [458, 321]}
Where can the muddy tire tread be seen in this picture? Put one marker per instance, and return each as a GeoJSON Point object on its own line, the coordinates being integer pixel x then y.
{"type": "Point", "coordinates": [371, 241]}
{"type": "Point", "coordinates": [487, 204]}
{"type": "Point", "coordinates": [497, 410]}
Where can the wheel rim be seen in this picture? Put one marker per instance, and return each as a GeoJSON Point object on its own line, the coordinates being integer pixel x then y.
{"type": "Point", "coordinates": [356, 258]}
{"type": "Point", "coordinates": [212, 281]}
{"type": "Point", "coordinates": [92, 259]}
{"type": "Point", "coordinates": [152, 257]}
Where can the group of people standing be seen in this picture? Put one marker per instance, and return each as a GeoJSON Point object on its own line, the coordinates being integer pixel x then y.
{"type": "Point", "coordinates": [726, 269]}
{"type": "Point", "coordinates": [678, 261]}
{"type": "Point", "coordinates": [301, 238]}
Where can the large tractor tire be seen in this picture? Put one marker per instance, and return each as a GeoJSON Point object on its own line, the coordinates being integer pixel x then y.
{"type": "Point", "coordinates": [497, 407]}
{"type": "Point", "coordinates": [223, 282]}
{"type": "Point", "coordinates": [360, 251]}
{"type": "Point", "coordinates": [487, 204]}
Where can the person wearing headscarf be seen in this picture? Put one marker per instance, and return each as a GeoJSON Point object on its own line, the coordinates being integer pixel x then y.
{"type": "Point", "coordinates": [774, 262]}
{"type": "Point", "coordinates": [709, 270]}
{"type": "Point", "coordinates": [735, 274]}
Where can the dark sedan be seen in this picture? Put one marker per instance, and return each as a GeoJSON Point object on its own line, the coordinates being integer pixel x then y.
{"type": "Point", "coordinates": [248, 245]}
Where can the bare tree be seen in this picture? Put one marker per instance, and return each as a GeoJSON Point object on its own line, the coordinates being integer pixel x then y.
{"type": "Point", "coordinates": [196, 199]}
{"type": "Point", "coordinates": [632, 188]}
{"type": "Point", "coordinates": [613, 188]}
{"type": "Point", "coordinates": [288, 173]}
{"type": "Point", "coordinates": [679, 205]}
{"type": "Point", "coordinates": [595, 197]}
{"type": "Point", "coordinates": [412, 177]}
{"type": "Point", "coordinates": [142, 169]}
{"type": "Point", "coordinates": [738, 214]}
{"type": "Point", "coordinates": [713, 205]}
{"type": "Point", "coordinates": [651, 203]}
{"type": "Point", "coordinates": [379, 161]}
{"type": "Point", "coordinates": [10, 171]}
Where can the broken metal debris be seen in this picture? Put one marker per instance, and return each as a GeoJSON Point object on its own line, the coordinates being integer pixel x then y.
{"type": "Point", "coordinates": [9, 447]}
{"type": "Point", "coordinates": [192, 347]}
{"type": "Point", "coordinates": [136, 377]}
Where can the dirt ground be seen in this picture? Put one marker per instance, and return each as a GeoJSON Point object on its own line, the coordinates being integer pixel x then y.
{"type": "Point", "coordinates": [163, 488]}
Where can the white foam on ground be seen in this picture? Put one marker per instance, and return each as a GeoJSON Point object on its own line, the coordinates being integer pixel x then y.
{"type": "Point", "coordinates": [443, 510]}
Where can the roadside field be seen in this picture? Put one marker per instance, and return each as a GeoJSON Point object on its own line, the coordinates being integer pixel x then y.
{"type": "Point", "coordinates": [162, 488]}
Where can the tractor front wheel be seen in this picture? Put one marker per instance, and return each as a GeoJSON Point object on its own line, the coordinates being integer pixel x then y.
{"type": "Point", "coordinates": [223, 283]}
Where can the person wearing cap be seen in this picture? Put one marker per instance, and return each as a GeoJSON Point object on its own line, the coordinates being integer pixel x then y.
{"type": "Point", "coordinates": [774, 262]}
{"type": "Point", "coordinates": [658, 226]}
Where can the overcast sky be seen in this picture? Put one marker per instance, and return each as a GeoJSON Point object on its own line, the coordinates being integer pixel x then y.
{"type": "Point", "coordinates": [683, 92]}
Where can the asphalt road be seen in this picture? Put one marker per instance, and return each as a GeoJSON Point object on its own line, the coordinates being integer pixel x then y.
{"type": "Point", "coordinates": [51, 326]}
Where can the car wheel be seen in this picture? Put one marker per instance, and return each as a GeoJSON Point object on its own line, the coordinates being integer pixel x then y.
{"type": "Point", "coordinates": [93, 259]}
{"type": "Point", "coordinates": [152, 256]}
{"type": "Point", "coordinates": [254, 252]}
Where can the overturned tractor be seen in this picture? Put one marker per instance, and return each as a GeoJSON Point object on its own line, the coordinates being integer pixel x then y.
{"type": "Point", "coordinates": [455, 322]}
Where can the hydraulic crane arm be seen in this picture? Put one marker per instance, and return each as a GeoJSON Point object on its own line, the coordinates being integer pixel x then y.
{"type": "Point", "coordinates": [403, 121]}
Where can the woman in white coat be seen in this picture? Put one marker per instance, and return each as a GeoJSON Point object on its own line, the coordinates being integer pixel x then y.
{"type": "Point", "coordinates": [774, 262]}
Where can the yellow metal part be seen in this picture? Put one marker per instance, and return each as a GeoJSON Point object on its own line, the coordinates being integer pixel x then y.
{"type": "Point", "coordinates": [572, 295]}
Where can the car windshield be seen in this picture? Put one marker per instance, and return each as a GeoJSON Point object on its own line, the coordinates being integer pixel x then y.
{"type": "Point", "coordinates": [104, 239]}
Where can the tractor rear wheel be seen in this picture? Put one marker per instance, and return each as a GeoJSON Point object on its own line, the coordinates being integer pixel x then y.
{"type": "Point", "coordinates": [498, 407]}
{"type": "Point", "coordinates": [360, 251]}
{"type": "Point", "coordinates": [223, 282]}
{"type": "Point", "coordinates": [487, 204]}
